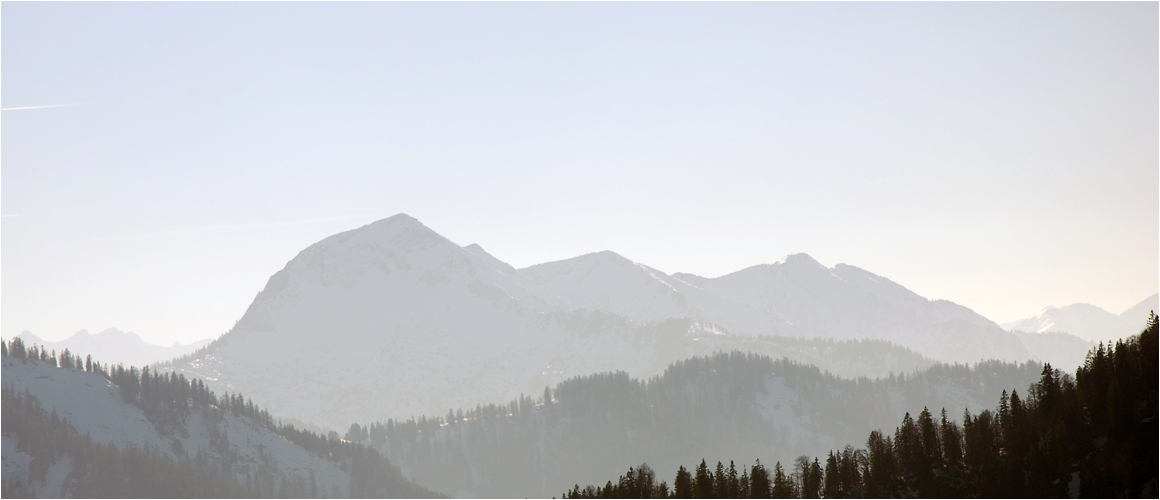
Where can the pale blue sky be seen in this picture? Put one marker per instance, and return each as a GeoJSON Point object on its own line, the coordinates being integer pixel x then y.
{"type": "Point", "coordinates": [1003, 156]}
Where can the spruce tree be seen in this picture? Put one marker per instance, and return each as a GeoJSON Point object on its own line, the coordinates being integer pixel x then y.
{"type": "Point", "coordinates": [732, 489]}
{"type": "Point", "coordinates": [832, 487]}
{"type": "Point", "coordinates": [720, 482]}
{"type": "Point", "coordinates": [683, 484]}
{"type": "Point", "coordinates": [908, 448]}
{"type": "Point", "coordinates": [782, 487]}
{"type": "Point", "coordinates": [759, 483]}
{"type": "Point", "coordinates": [812, 487]}
{"type": "Point", "coordinates": [931, 451]}
{"type": "Point", "coordinates": [703, 481]}
{"type": "Point", "coordinates": [881, 469]}
{"type": "Point", "coordinates": [952, 446]}
{"type": "Point", "coordinates": [743, 485]}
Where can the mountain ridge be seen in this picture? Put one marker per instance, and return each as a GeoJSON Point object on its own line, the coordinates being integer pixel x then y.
{"type": "Point", "coordinates": [1088, 322]}
{"type": "Point", "coordinates": [421, 324]}
{"type": "Point", "coordinates": [116, 346]}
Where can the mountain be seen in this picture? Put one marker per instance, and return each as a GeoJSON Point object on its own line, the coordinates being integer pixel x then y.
{"type": "Point", "coordinates": [719, 407]}
{"type": "Point", "coordinates": [845, 302]}
{"type": "Point", "coordinates": [114, 346]}
{"type": "Point", "coordinates": [608, 282]}
{"type": "Point", "coordinates": [392, 320]}
{"type": "Point", "coordinates": [1089, 322]}
{"type": "Point", "coordinates": [1138, 314]}
{"type": "Point", "coordinates": [1062, 350]}
{"type": "Point", "coordinates": [70, 432]}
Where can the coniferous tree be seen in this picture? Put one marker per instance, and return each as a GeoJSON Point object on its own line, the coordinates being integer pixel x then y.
{"type": "Point", "coordinates": [850, 464]}
{"type": "Point", "coordinates": [703, 481]}
{"type": "Point", "coordinates": [732, 489]}
{"type": "Point", "coordinates": [908, 449]}
{"type": "Point", "coordinates": [881, 470]}
{"type": "Point", "coordinates": [759, 481]}
{"type": "Point", "coordinates": [1003, 417]}
{"type": "Point", "coordinates": [16, 348]}
{"type": "Point", "coordinates": [683, 484]}
{"type": "Point", "coordinates": [813, 484]}
{"type": "Point", "coordinates": [782, 487]}
{"type": "Point", "coordinates": [931, 450]}
{"type": "Point", "coordinates": [832, 486]}
{"type": "Point", "coordinates": [743, 485]}
{"type": "Point", "coordinates": [720, 482]}
{"type": "Point", "coordinates": [952, 441]}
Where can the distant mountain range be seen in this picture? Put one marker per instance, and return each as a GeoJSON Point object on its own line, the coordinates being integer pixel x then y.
{"type": "Point", "coordinates": [394, 320]}
{"type": "Point", "coordinates": [1089, 322]}
{"type": "Point", "coordinates": [114, 346]}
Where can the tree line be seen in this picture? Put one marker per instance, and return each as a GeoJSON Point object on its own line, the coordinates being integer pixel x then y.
{"type": "Point", "coordinates": [1092, 435]}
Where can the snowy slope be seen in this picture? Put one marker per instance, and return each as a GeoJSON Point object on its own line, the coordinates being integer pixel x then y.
{"type": "Point", "coordinates": [392, 320]}
{"type": "Point", "coordinates": [608, 282]}
{"type": "Point", "coordinates": [94, 406]}
{"type": "Point", "coordinates": [1089, 322]}
{"type": "Point", "coordinates": [845, 302]}
{"type": "Point", "coordinates": [116, 347]}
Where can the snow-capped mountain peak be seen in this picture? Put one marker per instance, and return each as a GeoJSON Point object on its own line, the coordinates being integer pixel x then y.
{"type": "Point", "coordinates": [1087, 321]}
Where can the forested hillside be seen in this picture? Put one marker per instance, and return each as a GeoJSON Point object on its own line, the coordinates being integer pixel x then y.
{"type": "Point", "coordinates": [49, 458]}
{"type": "Point", "coordinates": [1092, 436]}
{"type": "Point", "coordinates": [74, 427]}
{"type": "Point", "coordinates": [723, 405]}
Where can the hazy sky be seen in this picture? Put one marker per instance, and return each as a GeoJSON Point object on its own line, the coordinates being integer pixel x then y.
{"type": "Point", "coordinates": [1002, 156]}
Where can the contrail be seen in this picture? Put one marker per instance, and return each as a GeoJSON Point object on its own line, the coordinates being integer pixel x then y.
{"type": "Point", "coordinates": [41, 107]}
